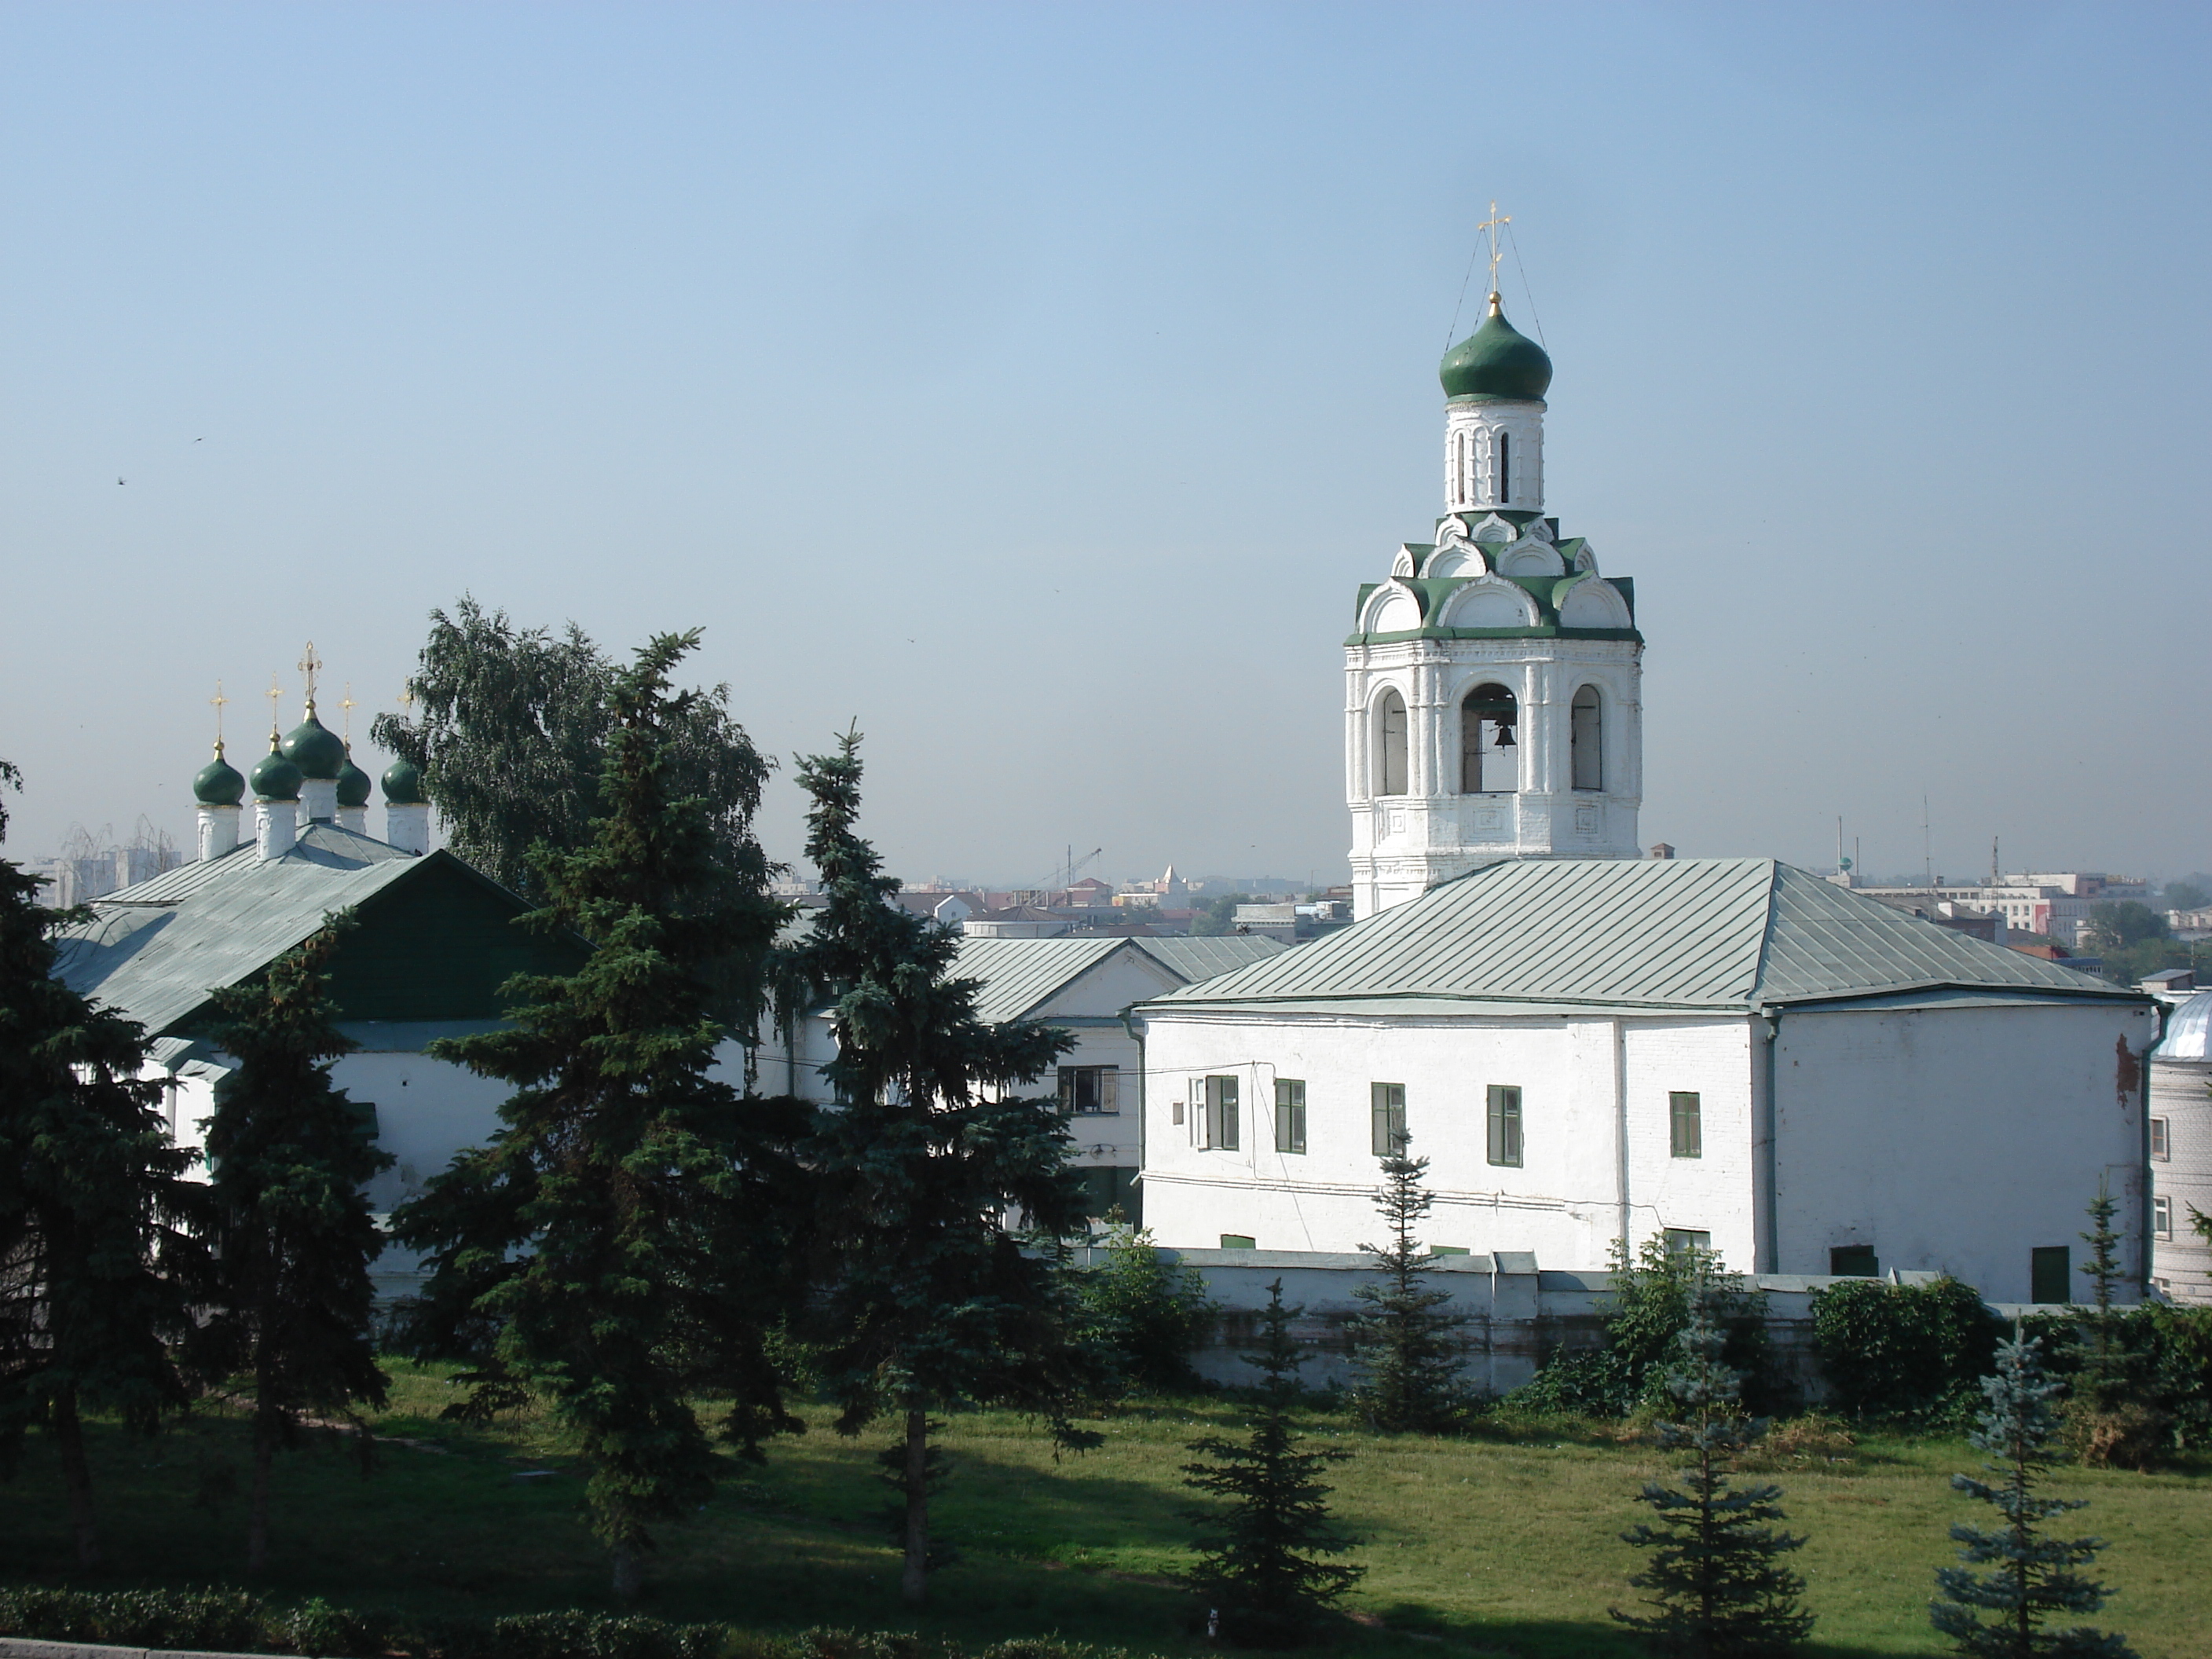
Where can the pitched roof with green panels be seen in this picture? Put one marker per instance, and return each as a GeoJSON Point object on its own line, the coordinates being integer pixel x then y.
{"type": "Point", "coordinates": [1018, 975]}
{"type": "Point", "coordinates": [1720, 935]}
{"type": "Point", "coordinates": [1209, 955]}
{"type": "Point", "coordinates": [435, 941]}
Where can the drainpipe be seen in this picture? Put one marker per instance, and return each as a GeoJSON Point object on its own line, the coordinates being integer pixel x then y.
{"type": "Point", "coordinates": [1620, 1124]}
{"type": "Point", "coordinates": [1768, 1162]}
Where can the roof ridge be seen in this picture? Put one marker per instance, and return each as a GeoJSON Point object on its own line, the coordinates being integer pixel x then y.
{"type": "Point", "coordinates": [1774, 868]}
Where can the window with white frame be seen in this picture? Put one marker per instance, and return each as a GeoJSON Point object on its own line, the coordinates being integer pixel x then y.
{"type": "Point", "coordinates": [1090, 1090]}
{"type": "Point", "coordinates": [1386, 1119]}
{"type": "Point", "coordinates": [2161, 1217]}
{"type": "Point", "coordinates": [1289, 1115]}
{"type": "Point", "coordinates": [2161, 1139]}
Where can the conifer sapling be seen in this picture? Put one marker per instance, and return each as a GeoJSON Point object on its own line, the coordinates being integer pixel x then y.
{"type": "Point", "coordinates": [1405, 1346]}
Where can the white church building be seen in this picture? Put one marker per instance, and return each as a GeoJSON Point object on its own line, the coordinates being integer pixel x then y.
{"type": "Point", "coordinates": [1589, 1045]}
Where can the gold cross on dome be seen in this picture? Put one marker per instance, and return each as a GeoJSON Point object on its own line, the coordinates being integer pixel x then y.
{"type": "Point", "coordinates": [310, 666]}
{"type": "Point", "coordinates": [274, 692]}
{"type": "Point", "coordinates": [406, 695]}
{"type": "Point", "coordinates": [218, 700]}
{"type": "Point", "coordinates": [1495, 223]}
{"type": "Point", "coordinates": [348, 705]}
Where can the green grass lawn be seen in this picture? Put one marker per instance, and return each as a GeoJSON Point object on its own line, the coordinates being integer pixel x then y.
{"type": "Point", "coordinates": [1505, 1544]}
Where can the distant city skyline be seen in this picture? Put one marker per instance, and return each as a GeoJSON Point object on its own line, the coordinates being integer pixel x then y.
{"type": "Point", "coordinates": [1036, 385]}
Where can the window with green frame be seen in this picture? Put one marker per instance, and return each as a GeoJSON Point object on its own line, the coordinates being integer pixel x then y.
{"type": "Point", "coordinates": [1686, 1133]}
{"type": "Point", "coordinates": [1220, 1125]}
{"type": "Point", "coordinates": [1387, 1119]}
{"type": "Point", "coordinates": [2050, 1274]}
{"type": "Point", "coordinates": [1289, 1115]}
{"type": "Point", "coordinates": [1504, 1114]}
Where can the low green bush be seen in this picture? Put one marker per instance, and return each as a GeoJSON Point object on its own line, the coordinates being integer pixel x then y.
{"type": "Point", "coordinates": [1912, 1352]}
{"type": "Point", "coordinates": [233, 1621]}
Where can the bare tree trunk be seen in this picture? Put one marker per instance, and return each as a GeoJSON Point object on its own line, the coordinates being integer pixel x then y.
{"type": "Point", "coordinates": [628, 1572]}
{"type": "Point", "coordinates": [77, 1475]}
{"type": "Point", "coordinates": [914, 1580]}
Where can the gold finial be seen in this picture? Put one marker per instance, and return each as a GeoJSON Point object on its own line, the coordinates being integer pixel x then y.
{"type": "Point", "coordinates": [406, 695]}
{"type": "Point", "coordinates": [310, 666]}
{"type": "Point", "coordinates": [1495, 223]}
{"type": "Point", "coordinates": [276, 690]}
{"type": "Point", "coordinates": [218, 700]}
{"type": "Point", "coordinates": [348, 705]}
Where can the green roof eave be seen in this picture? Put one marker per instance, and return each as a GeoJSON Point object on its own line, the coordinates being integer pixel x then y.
{"type": "Point", "coordinates": [1468, 398]}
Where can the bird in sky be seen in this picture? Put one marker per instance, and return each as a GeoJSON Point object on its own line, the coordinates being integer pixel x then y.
{"type": "Point", "coordinates": [118, 481]}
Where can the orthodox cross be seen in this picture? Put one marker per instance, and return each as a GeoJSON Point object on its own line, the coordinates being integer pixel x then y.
{"type": "Point", "coordinates": [310, 666]}
{"type": "Point", "coordinates": [1495, 223]}
{"type": "Point", "coordinates": [218, 700]}
{"type": "Point", "coordinates": [348, 705]}
{"type": "Point", "coordinates": [274, 692]}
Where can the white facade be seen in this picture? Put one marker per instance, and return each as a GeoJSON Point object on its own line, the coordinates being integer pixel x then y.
{"type": "Point", "coordinates": [2180, 1147]}
{"type": "Point", "coordinates": [1814, 1139]}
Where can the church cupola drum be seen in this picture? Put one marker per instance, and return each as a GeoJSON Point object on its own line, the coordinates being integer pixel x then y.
{"type": "Point", "coordinates": [1494, 685]}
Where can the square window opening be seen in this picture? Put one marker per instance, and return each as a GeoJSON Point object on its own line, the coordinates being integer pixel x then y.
{"type": "Point", "coordinates": [2050, 1274]}
{"type": "Point", "coordinates": [1090, 1090]}
{"type": "Point", "coordinates": [1680, 1240]}
{"type": "Point", "coordinates": [1238, 1242]}
{"type": "Point", "coordinates": [1853, 1261]}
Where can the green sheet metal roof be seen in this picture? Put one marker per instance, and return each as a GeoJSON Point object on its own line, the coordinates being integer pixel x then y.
{"type": "Point", "coordinates": [1706, 934]}
{"type": "Point", "coordinates": [1209, 958]}
{"type": "Point", "coordinates": [153, 951]}
{"type": "Point", "coordinates": [1019, 974]}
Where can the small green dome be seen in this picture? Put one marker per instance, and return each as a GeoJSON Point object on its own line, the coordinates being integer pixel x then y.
{"type": "Point", "coordinates": [1497, 360]}
{"type": "Point", "coordinates": [220, 783]}
{"type": "Point", "coordinates": [275, 778]}
{"type": "Point", "coordinates": [403, 785]}
{"type": "Point", "coordinates": [353, 784]}
{"type": "Point", "coordinates": [317, 750]}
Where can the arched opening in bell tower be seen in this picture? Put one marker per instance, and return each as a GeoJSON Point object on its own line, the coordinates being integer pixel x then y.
{"type": "Point", "coordinates": [1586, 739]}
{"type": "Point", "coordinates": [1489, 756]}
{"type": "Point", "coordinates": [1390, 744]}
{"type": "Point", "coordinates": [1504, 497]}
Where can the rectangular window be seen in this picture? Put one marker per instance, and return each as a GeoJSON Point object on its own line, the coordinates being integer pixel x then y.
{"type": "Point", "coordinates": [1505, 1124]}
{"type": "Point", "coordinates": [2161, 1139]}
{"type": "Point", "coordinates": [1289, 1115]}
{"type": "Point", "coordinates": [1090, 1090]}
{"type": "Point", "coordinates": [1387, 1119]}
{"type": "Point", "coordinates": [1686, 1135]}
{"type": "Point", "coordinates": [2050, 1274]}
{"type": "Point", "coordinates": [2161, 1217]}
{"type": "Point", "coordinates": [1853, 1261]}
{"type": "Point", "coordinates": [1238, 1242]}
{"type": "Point", "coordinates": [1175, 1111]}
{"type": "Point", "coordinates": [1679, 1239]}
{"type": "Point", "coordinates": [1221, 1127]}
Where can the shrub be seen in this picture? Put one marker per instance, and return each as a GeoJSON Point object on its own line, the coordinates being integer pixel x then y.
{"type": "Point", "coordinates": [195, 1620]}
{"type": "Point", "coordinates": [1912, 1350]}
{"type": "Point", "coordinates": [1145, 1311]}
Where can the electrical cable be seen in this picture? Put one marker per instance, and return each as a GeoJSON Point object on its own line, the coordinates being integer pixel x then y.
{"type": "Point", "coordinates": [1525, 288]}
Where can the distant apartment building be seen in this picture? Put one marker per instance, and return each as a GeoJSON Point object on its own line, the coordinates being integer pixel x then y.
{"type": "Point", "coordinates": [2053, 905]}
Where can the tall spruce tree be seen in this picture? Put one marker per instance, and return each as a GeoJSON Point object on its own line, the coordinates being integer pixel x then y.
{"type": "Point", "coordinates": [1262, 1563]}
{"type": "Point", "coordinates": [2032, 1576]}
{"type": "Point", "coordinates": [95, 1252]}
{"type": "Point", "coordinates": [1717, 1587]}
{"type": "Point", "coordinates": [1408, 1349]}
{"type": "Point", "coordinates": [936, 1300]}
{"type": "Point", "coordinates": [289, 1154]}
{"type": "Point", "coordinates": [622, 1245]}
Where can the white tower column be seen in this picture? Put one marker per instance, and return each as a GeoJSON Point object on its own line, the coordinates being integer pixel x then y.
{"type": "Point", "coordinates": [407, 825]}
{"type": "Point", "coordinates": [218, 827]}
{"type": "Point", "coordinates": [277, 827]}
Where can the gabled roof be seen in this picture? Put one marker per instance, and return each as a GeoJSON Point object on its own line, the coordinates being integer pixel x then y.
{"type": "Point", "coordinates": [154, 952]}
{"type": "Point", "coordinates": [1019, 974]}
{"type": "Point", "coordinates": [1706, 934]}
{"type": "Point", "coordinates": [1208, 957]}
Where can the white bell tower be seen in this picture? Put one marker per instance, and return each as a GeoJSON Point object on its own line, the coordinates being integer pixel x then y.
{"type": "Point", "coordinates": [1493, 683]}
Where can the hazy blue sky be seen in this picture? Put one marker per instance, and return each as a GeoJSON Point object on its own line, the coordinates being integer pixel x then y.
{"type": "Point", "coordinates": [1036, 384]}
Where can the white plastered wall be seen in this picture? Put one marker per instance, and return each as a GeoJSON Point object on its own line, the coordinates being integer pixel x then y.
{"type": "Point", "coordinates": [1584, 1081]}
{"type": "Point", "coordinates": [1957, 1139]}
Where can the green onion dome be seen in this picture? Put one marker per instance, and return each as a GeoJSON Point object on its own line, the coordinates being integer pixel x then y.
{"type": "Point", "coordinates": [403, 785]}
{"type": "Point", "coordinates": [317, 750]}
{"type": "Point", "coordinates": [275, 778]}
{"type": "Point", "coordinates": [220, 783]}
{"type": "Point", "coordinates": [1497, 360]}
{"type": "Point", "coordinates": [353, 783]}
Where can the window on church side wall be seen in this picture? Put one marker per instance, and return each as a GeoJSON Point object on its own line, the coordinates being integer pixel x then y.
{"type": "Point", "coordinates": [1386, 1119]}
{"type": "Point", "coordinates": [1686, 1129]}
{"type": "Point", "coordinates": [1504, 468]}
{"type": "Point", "coordinates": [1504, 1116]}
{"type": "Point", "coordinates": [1586, 740]}
{"type": "Point", "coordinates": [1489, 761]}
{"type": "Point", "coordinates": [1390, 752]}
{"type": "Point", "coordinates": [2160, 1145]}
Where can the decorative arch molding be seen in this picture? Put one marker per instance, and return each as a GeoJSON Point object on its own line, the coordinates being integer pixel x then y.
{"type": "Point", "coordinates": [1531, 558]}
{"type": "Point", "coordinates": [1495, 529]}
{"type": "Point", "coordinates": [1460, 559]}
{"type": "Point", "coordinates": [1391, 609]}
{"type": "Point", "coordinates": [1490, 601]}
{"type": "Point", "coordinates": [1593, 602]}
{"type": "Point", "coordinates": [1586, 560]}
{"type": "Point", "coordinates": [1402, 566]}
